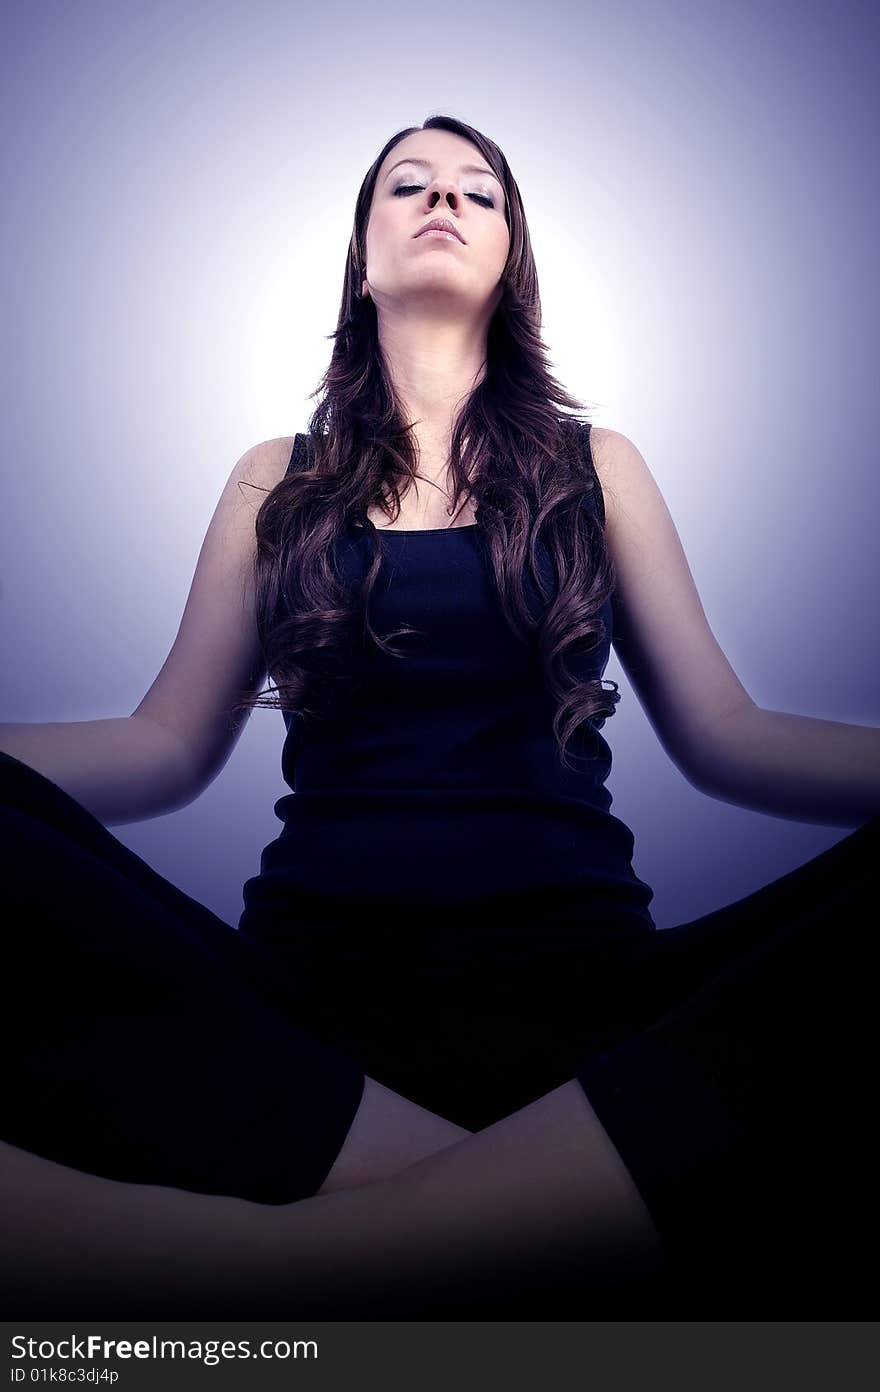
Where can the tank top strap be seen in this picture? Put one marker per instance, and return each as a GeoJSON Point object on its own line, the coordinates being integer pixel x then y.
{"type": "Point", "coordinates": [298, 455]}
{"type": "Point", "coordinates": [585, 431]}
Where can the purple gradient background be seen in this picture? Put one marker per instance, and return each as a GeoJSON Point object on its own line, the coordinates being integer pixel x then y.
{"type": "Point", "coordinates": [700, 182]}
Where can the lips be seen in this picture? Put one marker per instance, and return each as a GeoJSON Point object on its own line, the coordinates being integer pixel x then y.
{"type": "Point", "coordinates": [442, 225]}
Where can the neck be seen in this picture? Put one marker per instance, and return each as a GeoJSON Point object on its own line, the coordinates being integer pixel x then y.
{"type": "Point", "coordinates": [433, 372]}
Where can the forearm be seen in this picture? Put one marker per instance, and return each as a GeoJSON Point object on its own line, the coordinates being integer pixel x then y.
{"type": "Point", "coordinates": [793, 766]}
{"type": "Point", "coordinates": [123, 769]}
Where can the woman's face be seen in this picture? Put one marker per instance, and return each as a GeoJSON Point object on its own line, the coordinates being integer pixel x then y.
{"type": "Point", "coordinates": [423, 177]}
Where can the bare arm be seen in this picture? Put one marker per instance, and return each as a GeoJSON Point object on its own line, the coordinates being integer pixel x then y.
{"type": "Point", "coordinates": [792, 766]}
{"type": "Point", "coordinates": [162, 756]}
{"type": "Point", "coordinates": [723, 742]}
{"type": "Point", "coordinates": [124, 769]}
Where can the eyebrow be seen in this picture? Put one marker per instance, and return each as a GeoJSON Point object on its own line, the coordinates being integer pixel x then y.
{"type": "Point", "coordinates": [462, 169]}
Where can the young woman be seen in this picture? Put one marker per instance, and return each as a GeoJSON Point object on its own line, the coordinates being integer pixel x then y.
{"type": "Point", "coordinates": [447, 1065]}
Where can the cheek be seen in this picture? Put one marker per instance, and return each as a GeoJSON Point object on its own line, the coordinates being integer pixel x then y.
{"type": "Point", "coordinates": [502, 244]}
{"type": "Point", "coordinates": [381, 231]}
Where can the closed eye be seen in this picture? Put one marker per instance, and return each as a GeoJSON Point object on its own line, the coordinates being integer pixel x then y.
{"type": "Point", "coordinates": [416, 188]}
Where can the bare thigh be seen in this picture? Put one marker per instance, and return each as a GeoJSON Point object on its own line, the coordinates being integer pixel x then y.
{"type": "Point", "coordinates": [388, 1134]}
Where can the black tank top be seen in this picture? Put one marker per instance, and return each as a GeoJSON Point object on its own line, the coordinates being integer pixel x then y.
{"type": "Point", "coordinates": [439, 783]}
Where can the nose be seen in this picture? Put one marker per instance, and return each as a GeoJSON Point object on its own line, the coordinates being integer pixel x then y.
{"type": "Point", "coordinates": [442, 188]}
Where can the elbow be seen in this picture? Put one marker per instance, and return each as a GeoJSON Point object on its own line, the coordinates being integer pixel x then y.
{"type": "Point", "coordinates": [713, 760]}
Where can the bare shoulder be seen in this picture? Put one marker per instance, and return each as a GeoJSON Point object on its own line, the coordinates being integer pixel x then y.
{"type": "Point", "coordinates": [265, 464]}
{"type": "Point", "coordinates": [620, 468]}
{"type": "Point", "coordinates": [601, 439]}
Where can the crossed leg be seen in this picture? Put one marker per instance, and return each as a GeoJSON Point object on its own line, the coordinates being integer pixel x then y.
{"type": "Point", "coordinates": [161, 1086]}
{"type": "Point", "coordinates": [537, 1206]}
{"type": "Point", "coordinates": [397, 1208]}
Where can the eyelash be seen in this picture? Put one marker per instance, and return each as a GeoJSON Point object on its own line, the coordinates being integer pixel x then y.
{"type": "Point", "coordinates": [410, 188]}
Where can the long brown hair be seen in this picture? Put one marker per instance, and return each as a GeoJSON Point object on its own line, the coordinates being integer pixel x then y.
{"type": "Point", "coordinates": [521, 461]}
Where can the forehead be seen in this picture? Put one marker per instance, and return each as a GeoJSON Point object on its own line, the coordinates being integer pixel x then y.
{"type": "Point", "coordinates": [436, 147]}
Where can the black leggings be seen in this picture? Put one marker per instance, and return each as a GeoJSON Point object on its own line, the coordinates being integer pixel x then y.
{"type": "Point", "coordinates": [730, 1059]}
